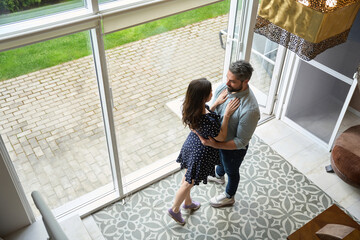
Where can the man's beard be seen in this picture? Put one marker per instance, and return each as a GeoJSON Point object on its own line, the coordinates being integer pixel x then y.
{"type": "Point", "coordinates": [230, 89]}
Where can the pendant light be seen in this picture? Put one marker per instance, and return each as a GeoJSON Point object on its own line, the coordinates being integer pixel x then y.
{"type": "Point", "coordinates": [306, 27]}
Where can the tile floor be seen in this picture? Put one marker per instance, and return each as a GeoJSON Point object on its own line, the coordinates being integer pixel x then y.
{"type": "Point", "coordinates": [306, 155]}
{"type": "Point", "coordinates": [310, 158]}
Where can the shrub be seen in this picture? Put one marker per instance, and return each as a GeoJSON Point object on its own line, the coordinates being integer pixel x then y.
{"type": "Point", "coordinates": [11, 6]}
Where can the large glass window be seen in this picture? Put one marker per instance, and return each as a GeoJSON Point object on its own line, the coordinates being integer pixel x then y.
{"type": "Point", "coordinates": [51, 119]}
{"type": "Point", "coordinates": [149, 74]}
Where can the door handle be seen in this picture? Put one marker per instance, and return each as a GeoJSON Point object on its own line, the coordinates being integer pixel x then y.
{"type": "Point", "coordinates": [229, 39]}
{"type": "Point", "coordinates": [221, 33]}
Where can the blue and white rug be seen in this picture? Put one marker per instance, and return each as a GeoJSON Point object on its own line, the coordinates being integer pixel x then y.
{"type": "Point", "coordinates": [273, 200]}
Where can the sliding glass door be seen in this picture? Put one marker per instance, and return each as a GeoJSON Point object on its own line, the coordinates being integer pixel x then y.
{"type": "Point", "coordinates": [265, 56]}
{"type": "Point", "coordinates": [149, 77]}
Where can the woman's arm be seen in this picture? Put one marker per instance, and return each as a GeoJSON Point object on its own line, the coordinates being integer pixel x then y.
{"type": "Point", "coordinates": [230, 109]}
{"type": "Point", "coordinates": [229, 145]}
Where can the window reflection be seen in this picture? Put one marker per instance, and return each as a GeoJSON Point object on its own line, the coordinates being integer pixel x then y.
{"type": "Point", "coordinates": [16, 11]}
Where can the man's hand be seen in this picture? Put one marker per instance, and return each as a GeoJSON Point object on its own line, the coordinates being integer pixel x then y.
{"type": "Point", "coordinates": [206, 142]}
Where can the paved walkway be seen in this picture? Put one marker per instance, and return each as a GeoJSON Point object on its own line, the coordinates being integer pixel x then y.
{"type": "Point", "coordinates": [51, 120]}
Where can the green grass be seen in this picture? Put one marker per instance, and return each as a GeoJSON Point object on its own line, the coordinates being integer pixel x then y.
{"type": "Point", "coordinates": [42, 55]}
{"type": "Point", "coordinates": [166, 24]}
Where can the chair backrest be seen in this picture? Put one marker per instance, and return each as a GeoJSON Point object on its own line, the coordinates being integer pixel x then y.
{"type": "Point", "coordinates": [52, 226]}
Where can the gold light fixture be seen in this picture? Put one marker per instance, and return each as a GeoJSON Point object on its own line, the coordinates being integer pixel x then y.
{"type": "Point", "coordinates": [306, 27]}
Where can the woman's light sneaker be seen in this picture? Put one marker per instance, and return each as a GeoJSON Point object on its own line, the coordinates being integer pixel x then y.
{"type": "Point", "coordinates": [221, 201]}
{"type": "Point", "coordinates": [176, 216]}
{"type": "Point", "coordinates": [193, 206]}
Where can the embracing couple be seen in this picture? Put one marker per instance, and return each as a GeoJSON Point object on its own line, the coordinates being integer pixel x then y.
{"type": "Point", "coordinates": [219, 136]}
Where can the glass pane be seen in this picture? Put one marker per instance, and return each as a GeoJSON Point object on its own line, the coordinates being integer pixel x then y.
{"type": "Point", "coordinates": [15, 11]}
{"type": "Point", "coordinates": [264, 46]}
{"type": "Point", "coordinates": [149, 76]}
{"type": "Point", "coordinates": [106, 1]}
{"type": "Point", "coordinates": [316, 101]}
{"type": "Point", "coordinates": [262, 58]}
{"type": "Point", "coordinates": [237, 28]}
{"type": "Point", "coordinates": [51, 119]}
{"type": "Point", "coordinates": [261, 78]}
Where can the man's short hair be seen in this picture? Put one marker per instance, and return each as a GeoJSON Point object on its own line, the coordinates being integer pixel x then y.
{"type": "Point", "coordinates": [241, 69]}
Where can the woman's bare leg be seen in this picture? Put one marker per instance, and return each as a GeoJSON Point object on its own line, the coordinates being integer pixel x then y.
{"type": "Point", "coordinates": [182, 194]}
{"type": "Point", "coordinates": [187, 199]}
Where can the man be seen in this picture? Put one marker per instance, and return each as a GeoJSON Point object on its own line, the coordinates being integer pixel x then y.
{"type": "Point", "coordinates": [241, 127]}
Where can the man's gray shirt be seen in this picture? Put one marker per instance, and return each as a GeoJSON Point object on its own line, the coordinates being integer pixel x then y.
{"type": "Point", "coordinates": [243, 121]}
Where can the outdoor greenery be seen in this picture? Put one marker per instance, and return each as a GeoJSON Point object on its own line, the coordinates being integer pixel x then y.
{"type": "Point", "coordinates": [20, 61]}
{"type": "Point", "coordinates": [10, 6]}
{"type": "Point", "coordinates": [35, 11]}
{"type": "Point", "coordinates": [166, 24]}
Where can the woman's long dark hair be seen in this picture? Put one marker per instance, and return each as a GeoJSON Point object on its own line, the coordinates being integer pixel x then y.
{"type": "Point", "coordinates": [196, 95]}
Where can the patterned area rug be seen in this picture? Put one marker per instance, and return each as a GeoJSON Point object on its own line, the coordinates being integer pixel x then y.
{"type": "Point", "coordinates": [273, 200]}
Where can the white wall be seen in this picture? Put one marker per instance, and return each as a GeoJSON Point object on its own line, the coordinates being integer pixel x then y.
{"type": "Point", "coordinates": [12, 212]}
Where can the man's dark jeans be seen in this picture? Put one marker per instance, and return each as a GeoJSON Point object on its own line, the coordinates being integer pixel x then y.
{"type": "Point", "coordinates": [230, 164]}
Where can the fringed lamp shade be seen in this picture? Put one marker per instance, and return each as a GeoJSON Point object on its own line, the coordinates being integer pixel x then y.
{"type": "Point", "coordinates": [306, 27]}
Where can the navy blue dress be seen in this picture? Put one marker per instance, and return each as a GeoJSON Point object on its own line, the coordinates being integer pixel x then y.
{"type": "Point", "coordinates": [200, 160]}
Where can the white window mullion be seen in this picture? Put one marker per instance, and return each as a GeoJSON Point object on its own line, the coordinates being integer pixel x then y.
{"type": "Point", "coordinates": [92, 5]}
{"type": "Point", "coordinates": [106, 98]}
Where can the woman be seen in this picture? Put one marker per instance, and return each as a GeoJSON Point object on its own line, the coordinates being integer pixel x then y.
{"type": "Point", "coordinates": [199, 160]}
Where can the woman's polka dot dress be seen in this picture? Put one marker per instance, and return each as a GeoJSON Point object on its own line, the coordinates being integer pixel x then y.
{"type": "Point", "coordinates": [200, 160]}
